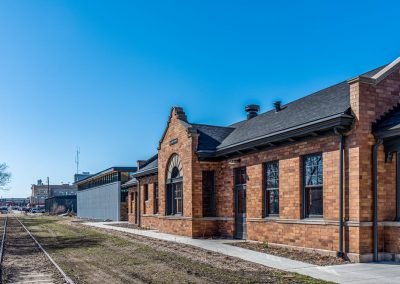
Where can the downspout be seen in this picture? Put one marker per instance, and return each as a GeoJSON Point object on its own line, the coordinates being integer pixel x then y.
{"type": "Point", "coordinates": [340, 253]}
{"type": "Point", "coordinates": [375, 194]}
{"type": "Point", "coordinates": [138, 204]}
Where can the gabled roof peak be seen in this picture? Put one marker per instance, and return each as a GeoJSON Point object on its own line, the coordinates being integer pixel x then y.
{"type": "Point", "coordinates": [179, 113]}
{"type": "Point", "coordinates": [381, 73]}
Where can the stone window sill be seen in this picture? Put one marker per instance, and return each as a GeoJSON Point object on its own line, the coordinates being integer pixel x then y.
{"type": "Point", "coordinates": [272, 217]}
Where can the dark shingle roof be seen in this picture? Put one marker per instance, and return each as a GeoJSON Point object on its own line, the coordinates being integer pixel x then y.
{"type": "Point", "coordinates": [372, 73]}
{"type": "Point", "coordinates": [149, 167]}
{"type": "Point", "coordinates": [211, 136]}
{"type": "Point", "coordinates": [325, 103]}
{"type": "Point", "coordinates": [130, 183]}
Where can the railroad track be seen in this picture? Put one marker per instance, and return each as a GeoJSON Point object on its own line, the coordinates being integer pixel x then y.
{"type": "Point", "coordinates": [23, 259]}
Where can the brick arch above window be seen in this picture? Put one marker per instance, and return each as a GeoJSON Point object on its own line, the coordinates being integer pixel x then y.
{"type": "Point", "coordinates": [174, 169]}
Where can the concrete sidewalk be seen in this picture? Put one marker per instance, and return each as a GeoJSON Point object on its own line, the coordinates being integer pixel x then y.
{"type": "Point", "coordinates": [348, 273]}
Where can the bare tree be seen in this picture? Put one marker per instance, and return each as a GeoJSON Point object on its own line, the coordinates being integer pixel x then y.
{"type": "Point", "coordinates": [5, 176]}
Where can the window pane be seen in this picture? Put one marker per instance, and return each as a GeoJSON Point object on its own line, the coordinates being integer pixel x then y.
{"type": "Point", "coordinates": [313, 170]}
{"type": "Point", "coordinates": [313, 181]}
{"type": "Point", "coordinates": [208, 194]}
{"type": "Point", "coordinates": [273, 201]}
{"type": "Point", "coordinates": [178, 198]}
{"type": "Point", "coordinates": [146, 192]}
{"type": "Point", "coordinates": [272, 186]}
{"type": "Point", "coordinates": [272, 175]}
{"type": "Point", "coordinates": [156, 198]}
{"type": "Point", "coordinates": [169, 201]}
{"type": "Point", "coordinates": [178, 190]}
{"type": "Point", "coordinates": [315, 201]}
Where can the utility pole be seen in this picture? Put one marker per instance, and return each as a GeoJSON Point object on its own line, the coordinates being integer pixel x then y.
{"type": "Point", "coordinates": [48, 187]}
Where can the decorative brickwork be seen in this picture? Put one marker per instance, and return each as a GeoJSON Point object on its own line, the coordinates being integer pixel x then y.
{"type": "Point", "coordinates": [368, 103]}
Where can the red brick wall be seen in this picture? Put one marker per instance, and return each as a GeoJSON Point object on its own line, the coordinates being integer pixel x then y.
{"type": "Point", "coordinates": [131, 205]}
{"type": "Point", "coordinates": [294, 234]}
{"type": "Point", "coordinates": [368, 102]}
{"type": "Point", "coordinates": [391, 239]}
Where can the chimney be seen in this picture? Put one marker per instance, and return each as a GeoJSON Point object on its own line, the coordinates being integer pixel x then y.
{"type": "Point", "coordinates": [278, 106]}
{"type": "Point", "coordinates": [252, 111]}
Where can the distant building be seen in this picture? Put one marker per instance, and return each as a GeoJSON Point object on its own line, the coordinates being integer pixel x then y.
{"type": "Point", "coordinates": [14, 201]}
{"type": "Point", "coordinates": [83, 175]}
{"type": "Point", "coordinates": [40, 192]}
{"type": "Point", "coordinates": [100, 195]}
{"type": "Point", "coordinates": [61, 204]}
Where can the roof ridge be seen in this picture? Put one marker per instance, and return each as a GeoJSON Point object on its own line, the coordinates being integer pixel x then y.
{"type": "Point", "coordinates": [291, 102]}
{"type": "Point", "coordinates": [217, 126]}
{"type": "Point", "coordinates": [387, 68]}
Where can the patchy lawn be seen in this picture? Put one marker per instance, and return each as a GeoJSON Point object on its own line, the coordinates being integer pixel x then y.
{"type": "Point", "coordinates": [90, 255]}
{"type": "Point", "coordinates": [305, 256]}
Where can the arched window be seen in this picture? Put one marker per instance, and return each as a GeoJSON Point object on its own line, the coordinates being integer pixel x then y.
{"type": "Point", "coordinates": [174, 192]}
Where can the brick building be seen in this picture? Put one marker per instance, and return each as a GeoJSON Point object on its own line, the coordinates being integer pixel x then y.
{"type": "Point", "coordinates": [41, 191]}
{"type": "Point", "coordinates": [320, 172]}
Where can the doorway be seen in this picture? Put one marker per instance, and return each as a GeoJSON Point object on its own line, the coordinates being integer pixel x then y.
{"type": "Point", "coordinates": [240, 202]}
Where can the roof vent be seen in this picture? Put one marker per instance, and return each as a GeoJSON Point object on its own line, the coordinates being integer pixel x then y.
{"type": "Point", "coordinates": [252, 111]}
{"type": "Point", "coordinates": [278, 106]}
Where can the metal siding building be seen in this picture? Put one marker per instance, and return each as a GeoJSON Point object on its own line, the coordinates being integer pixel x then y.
{"type": "Point", "coordinates": [101, 202]}
{"type": "Point", "coordinates": [99, 196]}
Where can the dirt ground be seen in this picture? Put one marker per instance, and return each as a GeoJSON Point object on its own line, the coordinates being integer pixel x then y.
{"type": "Point", "coordinates": [309, 257]}
{"type": "Point", "coordinates": [23, 261]}
{"type": "Point", "coordinates": [90, 255]}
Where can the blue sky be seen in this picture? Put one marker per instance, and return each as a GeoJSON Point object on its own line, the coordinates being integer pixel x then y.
{"type": "Point", "coordinates": [103, 75]}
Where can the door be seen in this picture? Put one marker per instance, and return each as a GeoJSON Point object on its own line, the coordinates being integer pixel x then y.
{"type": "Point", "coordinates": [135, 194]}
{"type": "Point", "coordinates": [240, 212]}
{"type": "Point", "coordinates": [240, 203]}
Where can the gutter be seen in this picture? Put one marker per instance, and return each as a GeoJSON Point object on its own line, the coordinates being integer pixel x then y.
{"type": "Point", "coordinates": [340, 253]}
{"type": "Point", "coordinates": [375, 194]}
{"type": "Point", "coordinates": [341, 119]}
{"type": "Point", "coordinates": [138, 205]}
{"type": "Point", "coordinates": [146, 172]}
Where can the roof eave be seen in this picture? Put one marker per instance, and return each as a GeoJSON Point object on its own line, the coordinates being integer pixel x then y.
{"type": "Point", "coordinates": [387, 133]}
{"type": "Point", "coordinates": [146, 172]}
{"type": "Point", "coordinates": [341, 120]}
{"type": "Point", "coordinates": [106, 171]}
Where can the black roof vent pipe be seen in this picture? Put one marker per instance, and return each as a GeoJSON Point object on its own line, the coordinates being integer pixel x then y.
{"type": "Point", "coordinates": [252, 111]}
{"type": "Point", "coordinates": [278, 106]}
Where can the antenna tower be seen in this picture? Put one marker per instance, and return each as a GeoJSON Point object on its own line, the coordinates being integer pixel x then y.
{"type": "Point", "coordinates": [78, 151]}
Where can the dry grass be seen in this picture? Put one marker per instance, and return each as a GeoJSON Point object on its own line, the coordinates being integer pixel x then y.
{"type": "Point", "coordinates": [310, 257]}
{"type": "Point", "coordinates": [92, 255]}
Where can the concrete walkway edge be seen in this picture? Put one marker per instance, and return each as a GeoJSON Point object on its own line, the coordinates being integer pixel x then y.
{"type": "Point", "coordinates": [347, 273]}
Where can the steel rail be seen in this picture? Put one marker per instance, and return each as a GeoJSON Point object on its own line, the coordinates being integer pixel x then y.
{"type": "Point", "coordinates": [3, 240]}
{"type": "Point", "coordinates": [66, 277]}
